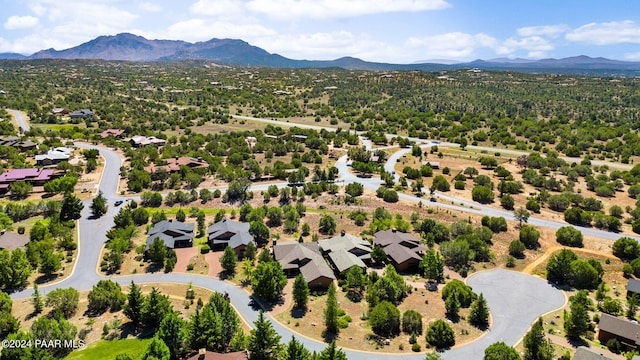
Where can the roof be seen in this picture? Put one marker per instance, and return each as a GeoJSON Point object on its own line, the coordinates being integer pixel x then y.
{"type": "Point", "coordinates": [344, 260]}
{"type": "Point", "coordinates": [392, 236]}
{"type": "Point", "coordinates": [145, 140]}
{"type": "Point", "coordinates": [620, 327]}
{"type": "Point", "coordinates": [111, 132]}
{"type": "Point", "coordinates": [231, 232]}
{"type": "Point", "coordinates": [585, 353]}
{"type": "Point", "coordinates": [210, 355]}
{"type": "Point", "coordinates": [303, 256]}
{"type": "Point", "coordinates": [174, 164]}
{"type": "Point", "coordinates": [30, 174]}
{"type": "Point", "coordinates": [81, 113]}
{"type": "Point", "coordinates": [59, 153]}
{"type": "Point", "coordinates": [400, 254]}
{"type": "Point", "coordinates": [399, 246]}
{"type": "Point", "coordinates": [633, 285]}
{"type": "Point", "coordinates": [347, 242]}
{"type": "Point", "coordinates": [12, 241]}
{"type": "Point", "coordinates": [170, 231]}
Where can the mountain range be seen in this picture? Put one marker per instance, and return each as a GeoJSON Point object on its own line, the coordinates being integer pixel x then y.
{"type": "Point", "coordinates": [129, 47]}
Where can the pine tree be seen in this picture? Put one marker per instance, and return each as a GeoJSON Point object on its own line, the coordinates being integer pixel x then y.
{"type": "Point", "coordinates": [331, 352]}
{"type": "Point", "coordinates": [577, 322]}
{"type": "Point", "coordinates": [154, 308]}
{"type": "Point", "coordinates": [135, 300]}
{"type": "Point", "coordinates": [156, 350]}
{"type": "Point", "coordinates": [479, 312]}
{"type": "Point", "coordinates": [36, 300]}
{"type": "Point", "coordinates": [228, 261]}
{"type": "Point", "coordinates": [452, 305]}
{"type": "Point", "coordinates": [536, 345]}
{"type": "Point", "coordinates": [264, 342]}
{"type": "Point", "coordinates": [300, 291]}
{"type": "Point", "coordinates": [296, 351]}
{"type": "Point", "coordinates": [331, 311]}
{"type": "Point", "coordinates": [99, 205]}
{"type": "Point", "coordinates": [173, 333]}
{"type": "Point", "coordinates": [432, 265]}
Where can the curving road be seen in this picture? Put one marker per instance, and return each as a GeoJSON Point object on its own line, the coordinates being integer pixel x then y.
{"type": "Point", "coordinates": [20, 119]}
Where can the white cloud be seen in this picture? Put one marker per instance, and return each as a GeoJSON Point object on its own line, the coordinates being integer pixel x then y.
{"type": "Point", "coordinates": [204, 29]}
{"type": "Point", "coordinates": [454, 45]}
{"type": "Point", "coordinates": [149, 7]}
{"type": "Point", "coordinates": [535, 46]}
{"type": "Point", "coordinates": [217, 8]}
{"type": "Point", "coordinates": [20, 22]}
{"type": "Point", "coordinates": [633, 56]}
{"type": "Point", "coordinates": [616, 32]}
{"type": "Point", "coordinates": [544, 30]}
{"type": "Point", "coordinates": [331, 9]}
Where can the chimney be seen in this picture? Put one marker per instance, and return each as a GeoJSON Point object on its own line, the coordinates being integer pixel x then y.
{"type": "Point", "coordinates": [202, 353]}
{"type": "Point", "coordinates": [342, 232]}
{"type": "Point", "coordinates": [394, 230]}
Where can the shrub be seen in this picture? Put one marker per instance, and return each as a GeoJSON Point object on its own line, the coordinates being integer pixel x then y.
{"type": "Point", "coordinates": [516, 249]}
{"type": "Point", "coordinates": [440, 334]}
{"type": "Point", "coordinates": [205, 249]}
{"type": "Point", "coordinates": [415, 347]}
{"type": "Point", "coordinates": [569, 236]}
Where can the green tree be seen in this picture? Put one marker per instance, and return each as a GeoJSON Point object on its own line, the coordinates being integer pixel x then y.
{"type": "Point", "coordinates": [583, 275]}
{"type": "Point", "coordinates": [356, 282]}
{"type": "Point", "coordinates": [507, 201]}
{"type": "Point", "coordinates": [20, 190]}
{"type": "Point", "coordinates": [135, 302]}
{"type": "Point", "coordinates": [173, 332]}
{"type": "Point", "coordinates": [295, 350]}
{"type": "Point", "coordinates": [536, 345]}
{"type": "Point", "coordinates": [432, 266]}
{"type": "Point", "coordinates": [331, 352]}
{"type": "Point", "coordinates": [264, 341]}
{"type": "Point", "coordinates": [229, 260]}
{"type": "Point", "coordinates": [50, 262]}
{"type": "Point", "coordinates": [378, 254]}
{"type": "Point", "coordinates": [259, 231]}
{"type": "Point", "coordinates": [300, 292]}
{"type": "Point", "coordinates": [440, 183]}
{"type": "Point", "coordinates": [157, 251]}
{"type": "Point", "coordinates": [52, 329]}
{"type": "Point", "coordinates": [521, 215]}
{"type": "Point", "coordinates": [577, 321]}
{"type": "Point", "coordinates": [440, 334]}
{"type": "Point", "coordinates": [154, 308]}
{"type": "Point", "coordinates": [384, 319]}
{"type": "Point", "coordinates": [529, 236]}
{"type": "Point", "coordinates": [462, 291]}
{"type": "Point", "coordinates": [63, 300]}
{"type": "Point", "coordinates": [156, 350]}
{"type": "Point", "coordinates": [500, 351]}
{"type": "Point", "coordinates": [268, 280]}
{"type": "Point", "coordinates": [412, 322]}
{"type": "Point", "coordinates": [559, 266]}
{"type": "Point", "coordinates": [99, 205]}
{"type": "Point", "coordinates": [71, 207]}
{"type": "Point", "coordinates": [36, 300]}
{"type": "Point", "coordinates": [482, 194]}
{"type": "Point", "coordinates": [331, 311]}
{"type": "Point", "coordinates": [452, 306]}
{"type": "Point", "coordinates": [626, 248]}
{"type": "Point", "coordinates": [104, 295]}
{"type": "Point", "coordinates": [570, 236]}
{"type": "Point", "coordinates": [479, 313]}
{"type": "Point", "coordinates": [327, 224]}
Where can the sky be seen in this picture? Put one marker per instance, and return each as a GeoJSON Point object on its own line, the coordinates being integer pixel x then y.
{"type": "Point", "coordinates": [393, 31]}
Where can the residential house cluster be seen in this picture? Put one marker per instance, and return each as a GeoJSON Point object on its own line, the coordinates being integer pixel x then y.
{"type": "Point", "coordinates": [16, 142]}
{"type": "Point", "coordinates": [403, 250]}
{"type": "Point", "coordinates": [626, 331]}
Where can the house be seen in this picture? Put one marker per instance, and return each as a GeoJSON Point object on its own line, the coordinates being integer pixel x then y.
{"type": "Point", "coordinates": [633, 287]}
{"type": "Point", "coordinates": [402, 249]}
{"type": "Point", "coordinates": [111, 132]}
{"type": "Point", "coordinates": [174, 164]}
{"type": "Point", "coordinates": [15, 141]}
{"type": "Point", "coordinates": [12, 241]}
{"type": "Point", "coordinates": [34, 176]}
{"type": "Point", "coordinates": [346, 250]}
{"type": "Point", "coordinates": [306, 259]}
{"type": "Point", "coordinates": [203, 354]}
{"type": "Point", "coordinates": [78, 114]}
{"type": "Point", "coordinates": [174, 234]}
{"type": "Point", "coordinates": [140, 141]}
{"type": "Point", "coordinates": [585, 353]}
{"type": "Point", "coordinates": [59, 111]}
{"type": "Point", "coordinates": [627, 332]}
{"type": "Point", "coordinates": [230, 233]}
{"type": "Point", "coordinates": [54, 156]}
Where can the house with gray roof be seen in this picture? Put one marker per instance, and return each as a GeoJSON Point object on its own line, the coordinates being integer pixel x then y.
{"type": "Point", "coordinates": [585, 353]}
{"type": "Point", "coordinates": [306, 259]}
{"type": "Point", "coordinates": [81, 113]}
{"type": "Point", "coordinates": [403, 250]}
{"type": "Point", "coordinates": [230, 233]}
{"type": "Point", "coordinates": [627, 332]}
{"type": "Point", "coordinates": [633, 287]}
{"type": "Point", "coordinates": [174, 234]}
{"type": "Point", "coordinates": [54, 156]}
{"type": "Point", "coordinates": [346, 250]}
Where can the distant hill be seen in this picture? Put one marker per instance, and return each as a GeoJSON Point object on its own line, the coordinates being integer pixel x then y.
{"type": "Point", "coordinates": [235, 52]}
{"type": "Point", "coordinates": [12, 56]}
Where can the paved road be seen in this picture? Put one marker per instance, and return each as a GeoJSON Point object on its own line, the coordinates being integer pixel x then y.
{"type": "Point", "coordinates": [20, 119]}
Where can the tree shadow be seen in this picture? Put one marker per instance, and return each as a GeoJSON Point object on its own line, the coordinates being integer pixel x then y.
{"type": "Point", "coordinates": [259, 304]}
{"type": "Point", "coordinates": [298, 312]}
{"type": "Point", "coordinates": [328, 336]}
{"type": "Point", "coordinates": [453, 318]}
{"type": "Point", "coordinates": [45, 278]}
{"type": "Point", "coordinates": [576, 342]}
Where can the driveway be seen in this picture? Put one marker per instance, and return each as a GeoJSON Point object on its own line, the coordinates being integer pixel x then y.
{"type": "Point", "coordinates": [184, 255]}
{"type": "Point", "coordinates": [213, 259]}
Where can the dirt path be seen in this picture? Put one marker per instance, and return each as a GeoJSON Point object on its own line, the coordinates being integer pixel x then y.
{"type": "Point", "coordinates": [550, 251]}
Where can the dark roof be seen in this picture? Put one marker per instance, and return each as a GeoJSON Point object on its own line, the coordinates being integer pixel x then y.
{"type": "Point", "coordinates": [170, 231]}
{"type": "Point", "coordinates": [585, 353]}
{"type": "Point", "coordinates": [633, 285]}
{"type": "Point", "coordinates": [386, 237]}
{"type": "Point", "coordinates": [620, 327]}
{"type": "Point", "coordinates": [12, 241]}
{"type": "Point", "coordinates": [238, 231]}
{"type": "Point", "coordinates": [343, 260]}
{"type": "Point", "coordinates": [400, 254]}
{"type": "Point", "coordinates": [305, 257]}
{"type": "Point", "coordinates": [81, 113]}
{"type": "Point", "coordinates": [348, 242]}
{"type": "Point", "coordinates": [399, 246]}
{"type": "Point", "coordinates": [210, 355]}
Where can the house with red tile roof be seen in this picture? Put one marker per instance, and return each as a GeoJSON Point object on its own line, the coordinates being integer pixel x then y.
{"type": "Point", "coordinates": [174, 164]}
{"type": "Point", "coordinates": [111, 132]}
